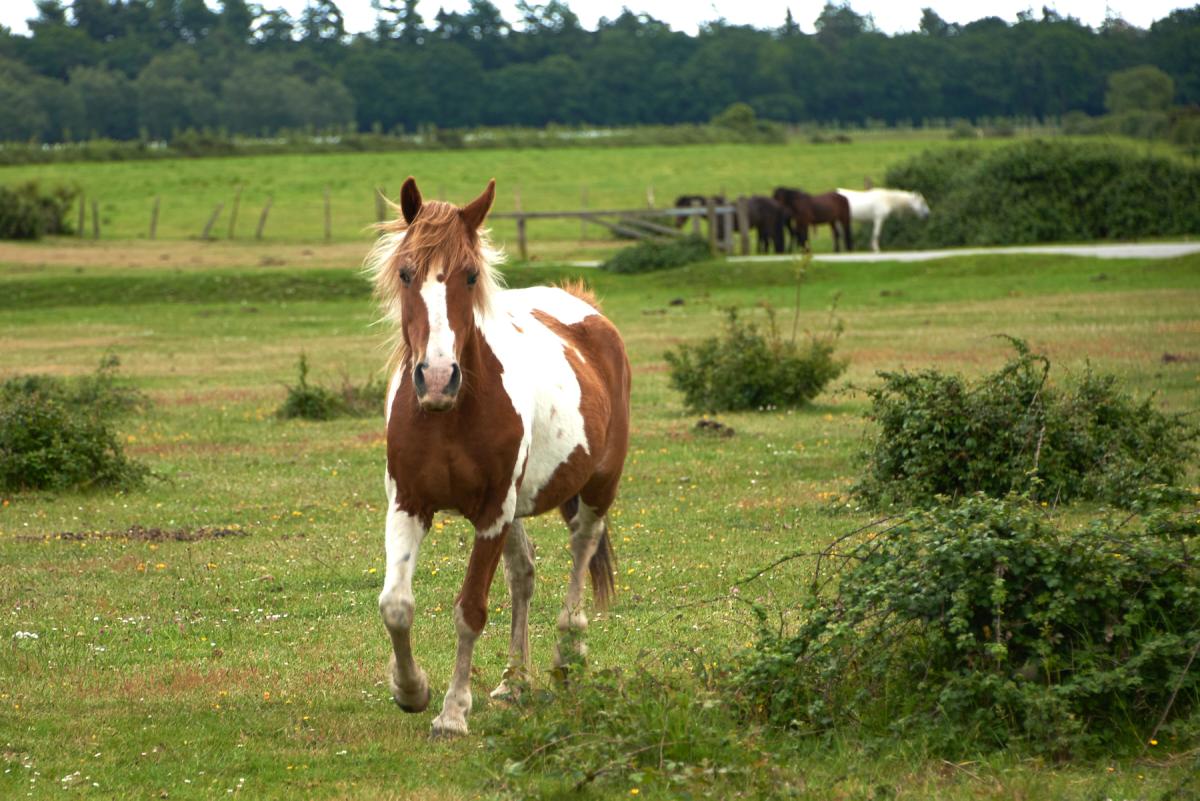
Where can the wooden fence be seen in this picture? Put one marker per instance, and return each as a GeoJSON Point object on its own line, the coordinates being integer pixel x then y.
{"type": "Point", "coordinates": [720, 224]}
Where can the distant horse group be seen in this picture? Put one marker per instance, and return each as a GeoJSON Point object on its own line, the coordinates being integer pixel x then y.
{"type": "Point", "coordinates": [782, 221]}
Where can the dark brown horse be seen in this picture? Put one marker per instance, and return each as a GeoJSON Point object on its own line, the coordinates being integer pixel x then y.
{"type": "Point", "coordinates": [807, 210]}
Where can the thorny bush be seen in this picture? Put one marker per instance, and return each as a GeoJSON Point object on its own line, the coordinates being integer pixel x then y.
{"type": "Point", "coordinates": [987, 623]}
{"type": "Point", "coordinates": [745, 369]}
{"type": "Point", "coordinates": [58, 433]}
{"type": "Point", "coordinates": [1012, 430]}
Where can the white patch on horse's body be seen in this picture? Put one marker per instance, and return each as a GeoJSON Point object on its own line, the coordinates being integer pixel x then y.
{"type": "Point", "coordinates": [876, 205]}
{"type": "Point", "coordinates": [540, 383]}
{"type": "Point", "coordinates": [393, 388]}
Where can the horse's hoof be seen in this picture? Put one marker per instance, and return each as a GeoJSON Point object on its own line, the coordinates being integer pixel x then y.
{"type": "Point", "coordinates": [411, 698]}
{"type": "Point", "coordinates": [446, 728]}
{"type": "Point", "coordinates": [506, 693]}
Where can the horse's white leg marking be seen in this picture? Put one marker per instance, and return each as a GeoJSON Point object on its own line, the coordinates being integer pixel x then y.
{"type": "Point", "coordinates": [402, 539]}
{"type": "Point", "coordinates": [586, 529]}
{"type": "Point", "coordinates": [457, 703]}
{"type": "Point", "coordinates": [518, 569]}
{"type": "Point", "coordinates": [879, 218]}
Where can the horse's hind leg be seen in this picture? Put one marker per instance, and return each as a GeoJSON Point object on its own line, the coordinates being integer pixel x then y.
{"type": "Point", "coordinates": [875, 234]}
{"type": "Point", "coordinates": [518, 569]}
{"type": "Point", "coordinates": [590, 552]}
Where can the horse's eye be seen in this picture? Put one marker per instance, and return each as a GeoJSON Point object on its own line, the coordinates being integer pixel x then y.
{"type": "Point", "coordinates": [472, 278]}
{"type": "Point", "coordinates": [406, 277]}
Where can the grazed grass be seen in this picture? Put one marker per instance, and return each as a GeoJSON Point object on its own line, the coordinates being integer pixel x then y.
{"type": "Point", "coordinates": [185, 666]}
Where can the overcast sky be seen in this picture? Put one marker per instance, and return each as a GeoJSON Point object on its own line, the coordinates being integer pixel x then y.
{"type": "Point", "coordinates": [891, 16]}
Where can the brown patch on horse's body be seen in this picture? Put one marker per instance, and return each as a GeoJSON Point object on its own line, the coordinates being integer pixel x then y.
{"type": "Point", "coordinates": [458, 478]}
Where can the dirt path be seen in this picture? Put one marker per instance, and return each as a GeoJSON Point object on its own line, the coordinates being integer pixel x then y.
{"type": "Point", "coordinates": [1149, 250]}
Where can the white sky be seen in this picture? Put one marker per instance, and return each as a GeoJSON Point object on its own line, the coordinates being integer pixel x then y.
{"type": "Point", "coordinates": [891, 16]}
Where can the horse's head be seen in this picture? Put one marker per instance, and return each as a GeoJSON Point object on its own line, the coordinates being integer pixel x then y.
{"type": "Point", "coordinates": [433, 272]}
{"type": "Point", "coordinates": [919, 205]}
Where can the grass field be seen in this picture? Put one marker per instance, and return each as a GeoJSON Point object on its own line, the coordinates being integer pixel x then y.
{"type": "Point", "coordinates": [550, 179]}
{"type": "Point", "coordinates": [253, 662]}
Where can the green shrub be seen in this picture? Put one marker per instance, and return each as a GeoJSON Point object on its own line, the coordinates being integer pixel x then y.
{"type": "Point", "coordinates": [648, 256]}
{"type": "Point", "coordinates": [1045, 191]}
{"type": "Point", "coordinates": [983, 624]}
{"type": "Point", "coordinates": [940, 434]}
{"type": "Point", "coordinates": [314, 402]}
{"type": "Point", "coordinates": [59, 434]}
{"type": "Point", "coordinates": [745, 369]}
{"type": "Point", "coordinates": [611, 731]}
{"type": "Point", "coordinates": [27, 211]}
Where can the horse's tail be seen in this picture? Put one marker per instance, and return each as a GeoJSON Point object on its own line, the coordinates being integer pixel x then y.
{"type": "Point", "coordinates": [601, 569]}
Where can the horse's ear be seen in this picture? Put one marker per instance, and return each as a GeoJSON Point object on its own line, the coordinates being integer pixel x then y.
{"type": "Point", "coordinates": [474, 212]}
{"type": "Point", "coordinates": [410, 200]}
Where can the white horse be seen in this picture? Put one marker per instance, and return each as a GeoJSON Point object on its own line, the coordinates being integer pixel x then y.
{"type": "Point", "coordinates": [875, 205]}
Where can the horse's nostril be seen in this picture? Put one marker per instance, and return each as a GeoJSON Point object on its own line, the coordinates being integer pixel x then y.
{"type": "Point", "coordinates": [419, 378]}
{"type": "Point", "coordinates": [455, 379]}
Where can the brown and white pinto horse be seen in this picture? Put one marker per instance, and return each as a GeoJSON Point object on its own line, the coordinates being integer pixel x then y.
{"type": "Point", "coordinates": [502, 404]}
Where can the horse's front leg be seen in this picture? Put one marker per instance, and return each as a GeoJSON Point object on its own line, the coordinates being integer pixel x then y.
{"type": "Point", "coordinates": [519, 570]}
{"type": "Point", "coordinates": [470, 615]}
{"type": "Point", "coordinates": [404, 532]}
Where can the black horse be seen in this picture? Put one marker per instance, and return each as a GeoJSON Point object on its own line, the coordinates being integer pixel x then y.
{"type": "Point", "coordinates": [764, 215]}
{"type": "Point", "coordinates": [769, 218]}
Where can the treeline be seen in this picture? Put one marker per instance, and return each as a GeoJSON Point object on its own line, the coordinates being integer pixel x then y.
{"type": "Point", "coordinates": [151, 69]}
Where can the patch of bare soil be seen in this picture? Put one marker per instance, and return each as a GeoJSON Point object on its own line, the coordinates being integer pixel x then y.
{"type": "Point", "coordinates": [182, 255]}
{"type": "Point", "coordinates": [143, 534]}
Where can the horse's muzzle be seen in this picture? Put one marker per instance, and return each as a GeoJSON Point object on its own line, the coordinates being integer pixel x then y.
{"type": "Point", "coordinates": [437, 387]}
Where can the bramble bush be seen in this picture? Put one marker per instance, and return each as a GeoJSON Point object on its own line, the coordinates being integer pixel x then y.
{"type": "Point", "coordinates": [315, 402]}
{"type": "Point", "coordinates": [648, 256]}
{"type": "Point", "coordinates": [614, 730]}
{"type": "Point", "coordinates": [29, 211]}
{"type": "Point", "coordinates": [1044, 191]}
{"type": "Point", "coordinates": [1012, 430]}
{"type": "Point", "coordinates": [60, 433]}
{"type": "Point", "coordinates": [984, 624]}
{"type": "Point", "coordinates": [745, 369]}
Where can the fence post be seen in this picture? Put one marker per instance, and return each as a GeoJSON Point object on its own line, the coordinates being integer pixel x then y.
{"type": "Point", "coordinates": [711, 208]}
{"type": "Point", "coordinates": [522, 245]}
{"type": "Point", "coordinates": [328, 218]}
{"type": "Point", "coordinates": [583, 220]}
{"type": "Point", "coordinates": [82, 216]}
{"type": "Point", "coordinates": [262, 218]}
{"type": "Point", "coordinates": [95, 219]}
{"type": "Point", "coordinates": [728, 218]}
{"type": "Point", "coordinates": [743, 218]}
{"type": "Point", "coordinates": [204, 235]}
{"type": "Point", "coordinates": [237, 201]}
{"type": "Point", "coordinates": [154, 218]}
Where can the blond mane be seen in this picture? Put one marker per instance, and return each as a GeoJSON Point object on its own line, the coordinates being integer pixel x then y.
{"type": "Point", "coordinates": [437, 237]}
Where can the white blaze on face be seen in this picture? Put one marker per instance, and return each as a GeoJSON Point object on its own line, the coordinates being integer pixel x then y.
{"type": "Point", "coordinates": [439, 350]}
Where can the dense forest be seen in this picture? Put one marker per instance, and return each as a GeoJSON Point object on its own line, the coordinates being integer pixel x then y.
{"type": "Point", "coordinates": [150, 69]}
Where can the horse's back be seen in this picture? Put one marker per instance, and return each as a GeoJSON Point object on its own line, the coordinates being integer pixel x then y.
{"type": "Point", "coordinates": [575, 377]}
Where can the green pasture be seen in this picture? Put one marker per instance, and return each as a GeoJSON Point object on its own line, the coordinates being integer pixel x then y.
{"type": "Point", "coordinates": [563, 179]}
{"type": "Point", "coordinates": [253, 662]}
